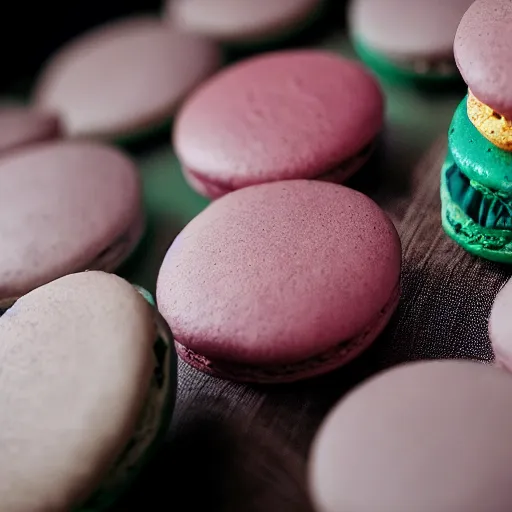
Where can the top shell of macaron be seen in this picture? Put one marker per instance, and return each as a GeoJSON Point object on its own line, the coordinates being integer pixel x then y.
{"type": "Point", "coordinates": [123, 75]}
{"type": "Point", "coordinates": [235, 20]}
{"type": "Point", "coordinates": [284, 115]}
{"type": "Point", "coordinates": [460, 407]}
{"type": "Point", "coordinates": [408, 29]}
{"type": "Point", "coordinates": [483, 50]}
{"type": "Point", "coordinates": [279, 272]}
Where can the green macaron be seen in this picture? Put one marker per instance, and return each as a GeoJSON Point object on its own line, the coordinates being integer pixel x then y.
{"type": "Point", "coordinates": [476, 191]}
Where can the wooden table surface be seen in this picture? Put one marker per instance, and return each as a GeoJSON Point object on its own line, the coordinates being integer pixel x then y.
{"type": "Point", "coordinates": [244, 448]}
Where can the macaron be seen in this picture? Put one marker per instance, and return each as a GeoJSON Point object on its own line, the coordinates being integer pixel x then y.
{"type": "Point", "coordinates": [281, 281]}
{"type": "Point", "coordinates": [243, 23]}
{"type": "Point", "coordinates": [482, 48]}
{"type": "Point", "coordinates": [296, 114]}
{"type": "Point", "coordinates": [87, 390]}
{"type": "Point", "coordinates": [407, 41]}
{"type": "Point", "coordinates": [65, 207]}
{"type": "Point", "coordinates": [422, 437]}
{"type": "Point", "coordinates": [500, 327]}
{"type": "Point", "coordinates": [20, 126]}
{"type": "Point", "coordinates": [123, 79]}
{"type": "Point", "coordinates": [476, 191]}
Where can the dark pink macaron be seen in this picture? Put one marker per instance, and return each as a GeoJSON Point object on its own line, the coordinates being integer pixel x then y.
{"type": "Point", "coordinates": [20, 126]}
{"type": "Point", "coordinates": [483, 50]}
{"type": "Point", "coordinates": [281, 281]}
{"type": "Point", "coordinates": [302, 114]}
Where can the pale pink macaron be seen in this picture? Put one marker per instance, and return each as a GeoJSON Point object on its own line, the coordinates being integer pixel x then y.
{"type": "Point", "coordinates": [301, 114]}
{"type": "Point", "coordinates": [247, 21]}
{"type": "Point", "coordinates": [500, 327]}
{"type": "Point", "coordinates": [423, 437]}
{"type": "Point", "coordinates": [65, 207]}
{"type": "Point", "coordinates": [87, 389]}
{"type": "Point", "coordinates": [20, 126]}
{"type": "Point", "coordinates": [281, 281]}
{"type": "Point", "coordinates": [123, 78]}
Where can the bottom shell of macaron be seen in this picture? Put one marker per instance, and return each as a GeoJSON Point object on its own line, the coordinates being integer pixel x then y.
{"type": "Point", "coordinates": [151, 425]}
{"type": "Point", "coordinates": [420, 72]}
{"type": "Point", "coordinates": [484, 227]}
{"type": "Point", "coordinates": [324, 363]}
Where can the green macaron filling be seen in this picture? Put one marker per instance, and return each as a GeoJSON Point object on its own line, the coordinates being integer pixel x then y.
{"type": "Point", "coordinates": [151, 425]}
{"type": "Point", "coordinates": [479, 222]}
{"type": "Point", "coordinates": [476, 191]}
{"type": "Point", "coordinates": [488, 208]}
{"type": "Point", "coordinates": [402, 71]}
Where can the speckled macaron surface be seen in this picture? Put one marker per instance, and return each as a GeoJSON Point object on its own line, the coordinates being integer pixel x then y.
{"type": "Point", "coordinates": [124, 77]}
{"type": "Point", "coordinates": [500, 327]}
{"type": "Point", "coordinates": [483, 46]}
{"type": "Point", "coordinates": [283, 115]}
{"type": "Point", "coordinates": [420, 437]}
{"type": "Point", "coordinates": [20, 126]}
{"type": "Point", "coordinates": [65, 207]}
{"type": "Point", "coordinates": [78, 380]}
{"type": "Point", "coordinates": [243, 22]}
{"type": "Point", "coordinates": [280, 281]}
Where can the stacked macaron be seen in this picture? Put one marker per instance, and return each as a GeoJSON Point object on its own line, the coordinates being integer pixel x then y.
{"type": "Point", "coordinates": [476, 183]}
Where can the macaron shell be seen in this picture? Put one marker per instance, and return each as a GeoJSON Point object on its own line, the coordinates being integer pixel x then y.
{"type": "Point", "coordinates": [408, 29]}
{"type": "Point", "coordinates": [384, 447]}
{"type": "Point", "coordinates": [123, 77]}
{"type": "Point", "coordinates": [65, 207]}
{"type": "Point", "coordinates": [500, 327]}
{"type": "Point", "coordinates": [235, 21]}
{"type": "Point", "coordinates": [21, 126]}
{"type": "Point", "coordinates": [76, 366]}
{"type": "Point", "coordinates": [283, 115]}
{"type": "Point", "coordinates": [482, 48]}
{"type": "Point", "coordinates": [279, 273]}
{"type": "Point", "coordinates": [478, 158]}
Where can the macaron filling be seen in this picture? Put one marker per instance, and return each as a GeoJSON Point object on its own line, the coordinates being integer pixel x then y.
{"type": "Point", "coordinates": [214, 188]}
{"type": "Point", "coordinates": [342, 352]}
{"type": "Point", "coordinates": [400, 67]}
{"type": "Point", "coordinates": [491, 124]}
{"type": "Point", "coordinates": [151, 425]}
{"type": "Point", "coordinates": [475, 216]}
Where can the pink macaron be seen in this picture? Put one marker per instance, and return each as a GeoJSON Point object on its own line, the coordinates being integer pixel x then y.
{"type": "Point", "coordinates": [430, 436]}
{"type": "Point", "coordinates": [65, 207]}
{"type": "Point", "coordinates": [500, 327]}
{"type": "Point", "coordinates": [281, 281]}
{"type": "Point", "coordinates": [20, 126]}
{"type": "Point", "coordinates": [301, 114]}
{"type": "Point", "coordinates": [123, 79]}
